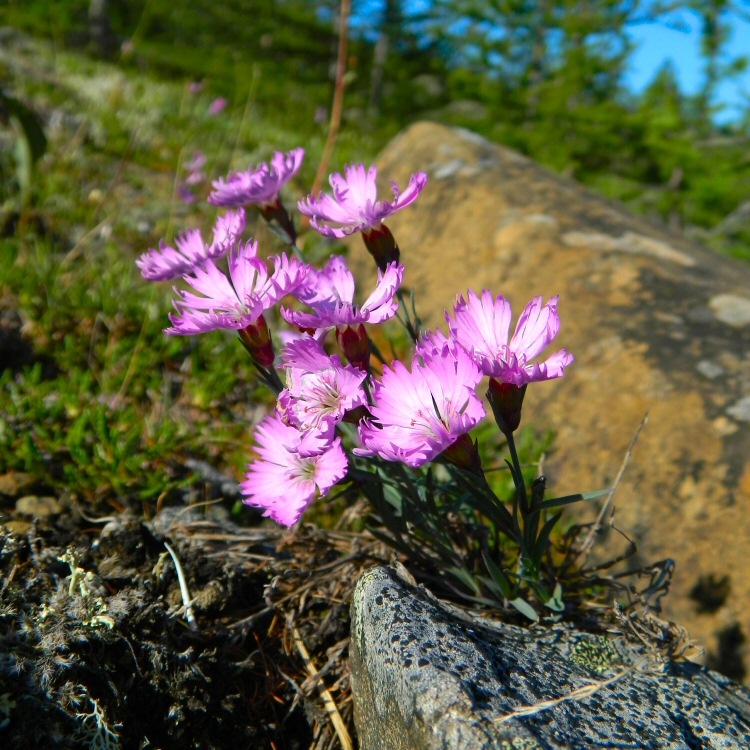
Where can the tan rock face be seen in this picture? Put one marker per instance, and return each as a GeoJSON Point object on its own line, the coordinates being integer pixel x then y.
{"type": "Point", "coordinates": [657, 325]}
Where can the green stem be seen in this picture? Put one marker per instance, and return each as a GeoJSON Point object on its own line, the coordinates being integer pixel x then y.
{"type": "Point", "coordinates": [411, 327]}
{"type": "Point", "coordinates": [271, 378]}
{"type": "Point", "coordinates": [521, 498]}
{"type": "Point", "coordinates": [521, 502]}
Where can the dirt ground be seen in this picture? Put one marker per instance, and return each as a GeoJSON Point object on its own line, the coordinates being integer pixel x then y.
{"type": "Point", "coordinates": [99, 650]}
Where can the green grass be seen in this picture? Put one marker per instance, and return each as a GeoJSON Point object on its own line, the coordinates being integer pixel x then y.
{"type": "Point", "coordinates": [108, 407]}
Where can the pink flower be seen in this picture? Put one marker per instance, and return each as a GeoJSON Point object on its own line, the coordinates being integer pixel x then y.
{"type": "Point", "coordinates": [238, 301]}
{"type": "Point", "coordinates": [284, 480]}
{"type": "Point", "coordinates": [194, 168]}
{"type": "Point", "coordinates": [418, 414]}
{"type": "Point", "coordinates": [197, 163]}
{"type": "Point", "coordinates": [482, 326]}
{"type": "Point", "coordinates": [185, 194]}
{"type": "Point", "coordinates": [228, 228]}
{"type": "Point", "coordinates": [168, 263]}
{"type": "Point", "coordinates": [218, 105]}
{"type": "Point", "coordinates": [320, 390]}
{"type": "Point", "coordinates": [259, 186]}
{"type": "Point", "coordinates": [435, 343]}
{"type": "Point", "coordinates": [354, 206]}
{"type": "Point", "coordinates": [330, 293]}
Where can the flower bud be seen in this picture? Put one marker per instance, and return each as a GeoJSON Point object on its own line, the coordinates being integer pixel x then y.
{"type": "Point", "coordinates": [381, 245]}
{"type": "Point", "coordinates": [355, 344]}
{"type": "Point", "coordinates": [256, 338]}
{"type": "Point", "coordinates": [506, 400]}
{"type": "Point", "coordinates": [464, 453]}
{"type": "Point", "coordinates": [279, 220]}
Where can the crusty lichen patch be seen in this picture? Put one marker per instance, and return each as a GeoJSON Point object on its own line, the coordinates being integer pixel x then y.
{"type": "Point", "coordinates": [595, 653]}
{"type": "Point", "coordinates": [520, 743]}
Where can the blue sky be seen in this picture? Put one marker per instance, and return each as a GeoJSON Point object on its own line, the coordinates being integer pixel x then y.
{"type": "Point", "coordinates": [658, 43]}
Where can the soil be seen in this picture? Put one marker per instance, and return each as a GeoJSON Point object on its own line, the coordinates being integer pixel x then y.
{"type": "Point", "coordinates": [98, 650]}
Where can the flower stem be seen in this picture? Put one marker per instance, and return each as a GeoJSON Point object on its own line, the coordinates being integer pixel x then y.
{"type": "Point", "coordinates": [271, 377]}
{"type": "Point", "coordinates": [521, 500]}
{"type": "Point", "coordinates": [529, 518]}
{"type": "Point", "coordinates": [412, 327]}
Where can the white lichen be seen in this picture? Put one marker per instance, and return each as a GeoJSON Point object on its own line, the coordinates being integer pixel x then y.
{"type": "Point", "coordinates": [93, 731]}
{"type": "Point", "coordinates": [83, 583]}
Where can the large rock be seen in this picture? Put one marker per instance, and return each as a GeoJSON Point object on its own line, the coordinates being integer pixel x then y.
{"type": "Point", "coordinates": [657, 325]}
{"type": "Point", "coordinates": [426, 676]}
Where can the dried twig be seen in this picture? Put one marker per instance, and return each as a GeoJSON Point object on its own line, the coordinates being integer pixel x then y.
{"type": "Point", "coordinates": [338, 95]}
{"type": "Point", "coordinates": [7, 581]}
{"type": "Point", "coordinates": [585, 691]}
{"type": "Point", "coordinates": [333, 659]}
{"type": "Point", "coordinates": [333, 712]}
{"type": "Point", "coordinates": [248, 622]}
{"type": "Point", "coordinates": [588, 542]}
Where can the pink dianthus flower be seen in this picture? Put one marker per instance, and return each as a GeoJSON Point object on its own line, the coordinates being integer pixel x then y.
{"type": "Point", "coordinates": [354, 206]}
{"type": "Point", "coordinates": [238, 301]}
{"type": "Point", "coordinates": [218, 105]}
{"type": "Point", "coordinates": [320, 389]}
{"type": "Point", "coordinates": [258, 186]}
{"type": "Point", "coordinates": [418, 414]}
{"type": "Point", "coordinates": [482, 326]}
{"type": "Point", "coordinates": [285, 480]}
{"type": "Point", "coordinates": [330, 293]}
{"type": "Point", "coordinates": [435, 343]}
{"type": "Point", "coordinates": [169, 263]}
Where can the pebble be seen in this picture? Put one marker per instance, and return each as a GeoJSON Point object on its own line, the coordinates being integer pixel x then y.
{"type": "Point", "coordinates": [16, 483]}
{"type": "Point", "coordinates": [731, 309]}
{"type": "Point", "coordinates": [34, 505]}
{"type": "Point", "coordinates": [17, 526]}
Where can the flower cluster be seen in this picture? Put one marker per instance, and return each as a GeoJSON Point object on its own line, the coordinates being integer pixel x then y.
{"type": "Point", "coordinates": [333, 406]}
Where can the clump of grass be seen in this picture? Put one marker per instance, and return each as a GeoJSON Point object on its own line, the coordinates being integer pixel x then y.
{"type": "Point", "coordinates": [101, 407]}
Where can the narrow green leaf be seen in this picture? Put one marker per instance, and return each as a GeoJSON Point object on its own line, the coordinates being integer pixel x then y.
{"type": "Point", "coordinates": [525, 608]}
{"type": "Point", "coordinates": [556, 502]}
{"type": "Point", "coordinates": [555, 602]}
{"type": "Point", "coordinates": [493, 587]}
{"type": "Point", "coordinates": [541, 541]}
{"type": "Point", "coordinates": [28, 125]}
{"type": "Point", "coordinates": [497, 575]}
{"type": "Point", "coordinates": [394, 498]}
{"type": "Point", "coordinates": [463, 575]}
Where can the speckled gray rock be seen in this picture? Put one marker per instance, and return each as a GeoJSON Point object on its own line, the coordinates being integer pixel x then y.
{"type": "Point", "coordinates": [427, 675]}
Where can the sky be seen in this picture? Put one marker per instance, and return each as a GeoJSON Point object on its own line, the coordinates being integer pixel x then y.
{"type": "Point", "coordinates": [658, 43]}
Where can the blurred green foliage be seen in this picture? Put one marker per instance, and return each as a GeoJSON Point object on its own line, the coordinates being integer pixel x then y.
{"type": "Point", "coordinates": [546, 78]}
